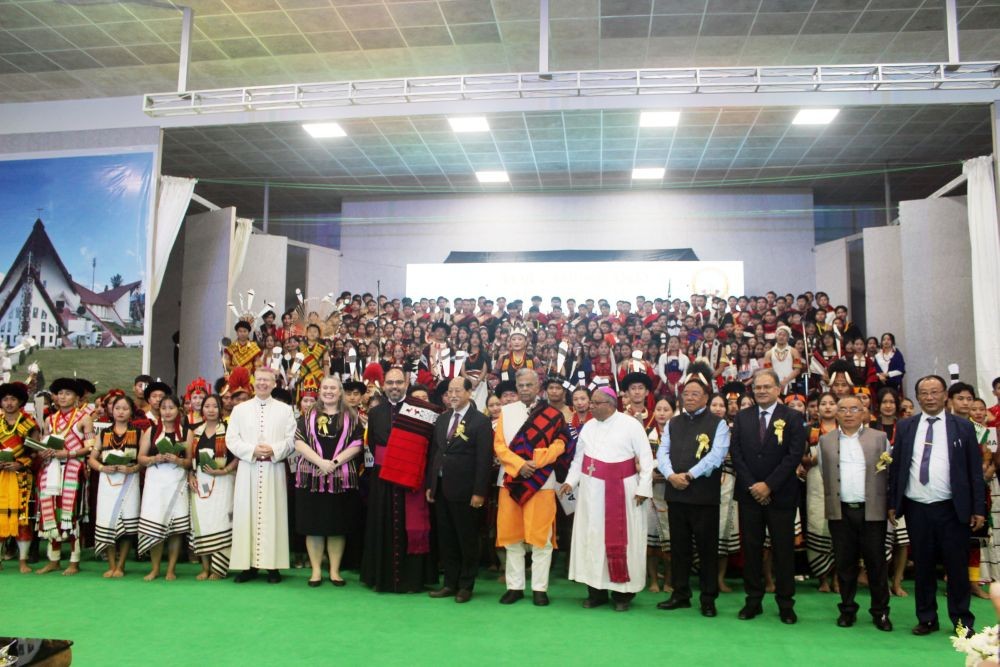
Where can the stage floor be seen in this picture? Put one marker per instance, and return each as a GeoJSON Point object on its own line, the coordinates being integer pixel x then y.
{"type": "Point", "coordinates": [131, 622]}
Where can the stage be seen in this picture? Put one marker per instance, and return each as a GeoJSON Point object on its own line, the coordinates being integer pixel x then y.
{"type": "Point", "coordinates": [129, 621]}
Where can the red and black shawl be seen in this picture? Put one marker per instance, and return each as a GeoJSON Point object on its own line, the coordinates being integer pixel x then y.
{"type": "Point", "coordinates": [542, 428]}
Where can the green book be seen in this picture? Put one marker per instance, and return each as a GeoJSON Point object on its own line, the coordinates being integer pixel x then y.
{"type": "Point", "coordinates": [118, 460]}
{"type": "Point", "coordinates": [6, 456]}
{"type": "Point", "coordinates": [51, 442]}
{"type": "Point", "coordinates": [165, 446]}
{"type": "Point", "coordinates": [205, 458]}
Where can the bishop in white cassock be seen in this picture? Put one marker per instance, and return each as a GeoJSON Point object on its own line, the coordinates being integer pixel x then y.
{"type": "Point", "coordinates": [613, 468]}
{"type": "Point", "coordinates": [261, 434]}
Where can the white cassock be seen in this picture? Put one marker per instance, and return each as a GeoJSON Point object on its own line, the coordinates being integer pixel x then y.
{"type": "Point", "coordinates": [617, 438]}
{"type": "Point", "coordinates": [260, 502]}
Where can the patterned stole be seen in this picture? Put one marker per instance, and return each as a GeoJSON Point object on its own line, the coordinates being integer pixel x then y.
{"type": "Point", "coordinates": [243, 355]}
{"type": "Point", "coordinates": [543, 427]}
{"type": "Point", "coordinates": [57, 511]}
{"type": "Point", "coordinates": [311, 364]}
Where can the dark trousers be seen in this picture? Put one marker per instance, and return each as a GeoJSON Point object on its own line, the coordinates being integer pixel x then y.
{"type": "Point", "coordinates": [602, 594]}
{"type": "Point", "coordinates": [458, 539]}
{"type": "Point", "coordinates": [853, 537]}
{"type": "Point", "coordinates": [936, 533]}
{"type": "Point", "coordinates": [780, 523]}
{"type": "Point", "coordinates": [699, 524]}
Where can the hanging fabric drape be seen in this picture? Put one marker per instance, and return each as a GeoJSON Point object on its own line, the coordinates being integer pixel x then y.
{"type": "Point", "coordinates": [172, 203]}
{"type": "Point", "coordinates": [985, 240]}
{"type": "Point", "coordinates": [238, 252]}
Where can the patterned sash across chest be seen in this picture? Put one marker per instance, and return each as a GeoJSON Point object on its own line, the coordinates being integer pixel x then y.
{"type": "Point", "coordinates": [58, 509]}
{"type": "Point", "coordinates": [243, 355]}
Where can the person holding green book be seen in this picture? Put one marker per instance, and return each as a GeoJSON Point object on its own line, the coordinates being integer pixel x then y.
{"type": "Point", "coordinates": [69, 437]}
{"type": "Point", "coordinates": [15, 469]}
{"type": "Point", "coordinates": [211, 480]}
{"type": "Point", "coordinates": [164, 513]}
{"type": "Point", "coordinates": [115, 458]}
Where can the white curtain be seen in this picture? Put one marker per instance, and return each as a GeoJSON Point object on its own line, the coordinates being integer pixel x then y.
{"type": "Point", "coordinates": [985, 239]}
{"type": "Point", "coordinates": [174, 197]}
{"type": "Point", "coordinates": [238, 252]}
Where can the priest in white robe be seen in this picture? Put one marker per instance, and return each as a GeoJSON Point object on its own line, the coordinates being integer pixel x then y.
{"type": "Point", "coordinates": [261, 435]}
{"type": "Point", "coordinates": [609, 533]}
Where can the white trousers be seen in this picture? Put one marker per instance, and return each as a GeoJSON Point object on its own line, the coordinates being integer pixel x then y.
{"type": "Point", "coordinates": [541, 560]}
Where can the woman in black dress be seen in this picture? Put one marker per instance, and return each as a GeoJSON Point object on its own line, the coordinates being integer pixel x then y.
{"type": "Point", "coordinates": [329, 440]}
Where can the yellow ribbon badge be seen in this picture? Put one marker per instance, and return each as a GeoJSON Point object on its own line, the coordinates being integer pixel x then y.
{"type": "Point", "coordinates": [460, 432]}
{"type": "Point", "coordinates": [703, 446]}
{"type": "Point", "coordinates": [779, 430]}
{"type": "Point", "coordinates": [883, 462]}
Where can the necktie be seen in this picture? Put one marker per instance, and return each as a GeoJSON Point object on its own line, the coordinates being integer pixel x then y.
{"type": "Point", "coordinates": [763, 425]}
{"type": "Point", "coordinates": [925, 459]}
{"type": "Point", "coordinates": [454, 425]}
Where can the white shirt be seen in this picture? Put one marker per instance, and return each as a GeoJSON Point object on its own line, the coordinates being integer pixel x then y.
{"type": "Point", "coordinates": [769, 411]}
{"type": "Point", "coordinates": [852, 468]}
{"type": "Point", "coordinates": [938, 487]}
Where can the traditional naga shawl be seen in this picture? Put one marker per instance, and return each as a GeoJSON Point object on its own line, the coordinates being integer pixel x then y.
{"type": "Point", "coordinates": [12, 440]}
{"type": "Point", "coordinates": [543, 427]}
{"type": "Point", "coordinates": [243, 355]}
{"type": "Point", "coordinates": [57, 497]}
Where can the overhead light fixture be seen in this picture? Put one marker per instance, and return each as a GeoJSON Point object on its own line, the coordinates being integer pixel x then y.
{"type": "Point", "coordinates": [493, 177]}
{"type": "Point", "coordinates": [469, 124]}
{"type": "Point", "coordinates": [324, 130]}
{"type": "Point", "coordinates": [815, 116]}
{"type": "Point", "coordinates": [648, 173]}
{"type": "Point", "coordinates": [659, 118]}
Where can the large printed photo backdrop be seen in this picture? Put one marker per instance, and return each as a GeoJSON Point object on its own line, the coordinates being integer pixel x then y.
{"type": "Point", "coordinates": [73, 250]}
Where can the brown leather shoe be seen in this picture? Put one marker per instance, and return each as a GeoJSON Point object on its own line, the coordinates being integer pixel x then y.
{"type": "Point", "coordinates": [463, 595]}
{"type": "Point", "coordinates": [444, 592]}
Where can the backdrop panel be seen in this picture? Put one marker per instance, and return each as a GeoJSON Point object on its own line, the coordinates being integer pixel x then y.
{"type": "Point", "coordinates": [577, 280]}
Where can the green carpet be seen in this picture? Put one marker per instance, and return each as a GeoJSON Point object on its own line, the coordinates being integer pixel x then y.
{"type": "Point", "coordinates": [131, 622]}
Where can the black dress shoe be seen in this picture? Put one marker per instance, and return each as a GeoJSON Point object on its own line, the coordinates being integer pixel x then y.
{"type": "Point", "coordinates": [674, 603]}
{"type": "Point", "coordinates": [315, 584]}
{"type": "Point", "coordinates": [788, 616]}
{"type": "Point", "coordinates": [273, 577]}
{"type": "Point", "coordinates": [592, 603]}
{"type": "Point", "coordinates": [338, 582]}
{"type": "Point", "coordinates": [749, 612]}
{"type": "Point", "coordinates": [510, 597]}
{"type": "Point", "coordinates": [245, 576]}
{"type": "Point", "coordinates": [540, 598]}
{"type": "Point", "coordinates": [882, 623]}
{"type": "Point", "coordinates": [442, 593]}
{"type": "Point", "coordinates": [622, 606]}
{"type": "Point", "coordinates": [846, 620]}
{"type": "Point", "coordinates": [708, 610]}
{"type": "Point", "coordinates": [463, 595]}
{"type": "Point", "coordinates": [921, 629]}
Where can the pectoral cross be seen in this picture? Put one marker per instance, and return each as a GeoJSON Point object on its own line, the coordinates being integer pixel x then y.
{"type": "Point", "coordinates": [591, 468]}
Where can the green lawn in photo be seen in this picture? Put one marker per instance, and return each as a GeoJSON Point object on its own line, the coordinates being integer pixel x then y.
{"type": "Point", "coordinates": [105, 367]}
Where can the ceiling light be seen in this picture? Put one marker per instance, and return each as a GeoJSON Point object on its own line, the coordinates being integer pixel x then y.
{"type": "Point", "coordinates": [648, 173]}
{"type": "Point", "coordinates": [469, 124]}
{"type": "Point", "coordinates": [324, 130]}
{"type": "Point", "coordinates": [493, 177]}
{"type": "Point", "coordinates": [815, 116]}
{"type": "Point", "coordinates": [659, 118]}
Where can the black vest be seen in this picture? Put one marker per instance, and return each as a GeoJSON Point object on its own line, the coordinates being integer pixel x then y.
{"type": "Point", "coordinates": [684, 432]}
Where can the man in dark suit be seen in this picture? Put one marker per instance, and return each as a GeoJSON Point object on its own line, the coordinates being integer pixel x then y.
{"type": "Point", "coordinates": [855, 480]}
{"type": "Point", "coordinates": [458, 479]}
{"type": "Point", "coordinates": [767, 442]}
{"type": "Point", "coordinates": [936, 482]}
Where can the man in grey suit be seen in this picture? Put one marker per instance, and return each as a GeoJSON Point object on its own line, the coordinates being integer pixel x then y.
{"type": "Point", "coordinates": [855, 467]}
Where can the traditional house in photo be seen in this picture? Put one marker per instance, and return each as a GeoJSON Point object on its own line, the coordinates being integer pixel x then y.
{"type": "Point", "coordinates": [39, 298]}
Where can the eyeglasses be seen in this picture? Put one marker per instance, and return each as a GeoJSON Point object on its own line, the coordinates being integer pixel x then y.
{"type": "Point", "coordinates": [852, 410]}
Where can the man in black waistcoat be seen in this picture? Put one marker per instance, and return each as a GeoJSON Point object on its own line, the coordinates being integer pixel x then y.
{"type": "Point", "coordinates": [692, 449]}
{"type": "Point", "coordinates": [768, 440]}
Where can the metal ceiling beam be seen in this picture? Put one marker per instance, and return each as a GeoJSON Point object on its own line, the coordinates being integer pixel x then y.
{"type": "Point", "coordinates": [769, 87]}
{"type": "Point", "coordinates": [951, 28]}
{"type": "Point", "coordinates": [187, 27]}
{"type": "Point", "coordinates": [701, 83]}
